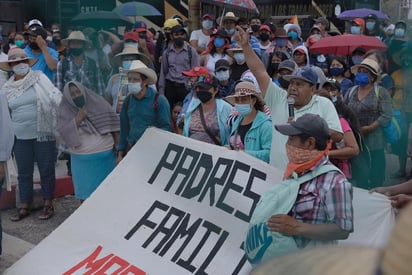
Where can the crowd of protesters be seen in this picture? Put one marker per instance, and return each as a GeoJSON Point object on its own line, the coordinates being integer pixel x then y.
{"type": "Point", "coordinates": [92, 94]}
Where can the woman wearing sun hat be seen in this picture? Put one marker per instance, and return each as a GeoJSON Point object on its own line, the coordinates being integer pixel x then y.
{"type": "Point", "coordinates": [33, 101]}
{"type": "Point", "coordinates": [142, 108]}
{"type": "Point", "coordinates": [252, 129]}
{"type": "Point", "coordinates": [371, 103]}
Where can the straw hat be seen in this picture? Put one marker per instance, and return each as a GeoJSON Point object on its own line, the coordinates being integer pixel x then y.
{"type": "Point", "coordinates": [130, 50]}
{"type": "Point", "coordinates": [394, 259]}
{"type": "Point", "coordinates": [75, 35]}
{"type": "Point", "coordinates": [245, 88]}
{"type": "Point", "coordinates": [16, 54]}
{"type": "Point", "coordinates": [228, 16]}
{"type": "Point", "coordinates": [369, 64]}
{"type": "Point", "coordinates": [138, 66]}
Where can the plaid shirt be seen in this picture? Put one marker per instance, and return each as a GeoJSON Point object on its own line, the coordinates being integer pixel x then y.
{"type": "Point", "coordinates": [86, 73]}
{"type": "Point", "coordinates": [324, 199]}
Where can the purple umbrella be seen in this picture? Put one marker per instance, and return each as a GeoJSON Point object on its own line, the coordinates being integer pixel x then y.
{"type": "Point", "coordinates": [361, 13]}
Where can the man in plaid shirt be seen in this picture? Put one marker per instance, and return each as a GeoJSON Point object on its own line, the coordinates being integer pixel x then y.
{"type": "Point", "coordinates": [322, 212]}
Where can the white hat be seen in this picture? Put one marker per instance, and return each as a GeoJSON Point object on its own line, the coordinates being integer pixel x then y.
{"type": "Point", "coordinates": [75, 35]}
{"type": "Point", "coordinates": [228, 16]}
{"type": "Point", "coordinates": [139, 67]}
{"type": "Point", "coordinates": [16, 54]}
{"type": "Point", "coordinates": [35, 22]}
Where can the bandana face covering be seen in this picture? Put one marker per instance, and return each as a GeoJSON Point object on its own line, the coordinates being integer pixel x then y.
{"type": "Point", "coordinates": [301, 159]}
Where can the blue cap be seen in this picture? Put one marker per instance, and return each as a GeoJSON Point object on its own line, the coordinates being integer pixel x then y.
{"type": "Point", "coordinates": [140, 26]}
{"type": "Point", "coordinates": [304, 73]}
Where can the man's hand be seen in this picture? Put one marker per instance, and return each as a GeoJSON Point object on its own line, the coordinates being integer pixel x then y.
{"type": "Point", "coordinates": [41, 43]}
{"type": "Point", "coordinates": [284, 224]}
{"type": "Point", "coordinates": [241, 37]}
{"type": "Point", "coordinates": [399, 201]}
{"type": "Point", "coordinates": [383, 190]}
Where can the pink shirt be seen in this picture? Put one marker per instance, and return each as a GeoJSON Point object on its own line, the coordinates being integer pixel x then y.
{"type": "Point", "coordinates": [343, 164]}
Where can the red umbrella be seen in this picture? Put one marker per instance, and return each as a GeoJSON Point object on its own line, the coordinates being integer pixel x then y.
{"type": "Point", "coordinates": [346, 44]}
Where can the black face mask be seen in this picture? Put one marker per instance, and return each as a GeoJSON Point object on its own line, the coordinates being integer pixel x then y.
{"type": "Point", "coordinates": [274, 66]}
{"type": "Point", "coordinates": [255, 28]}
{"type": "Point", "coordinates": [76, 51]}
{"type": "Point", "coordinates": [283, 82]}
{"type": "Point", "coordinates": [264, 36]}
{"type": "Point", "coordinates": [11, 40]}
{"type": "Point", "coordinates": [56, 41]}
{"type": "Point", "coordinates": [168, 35]}
{"type": "Point", "coordinates": [34, 46]}
{"type": "Point", "coordinates": [204, 96]}
{"type": "Point", "coordinates": [179, 42]}
{"type": "Point", "coordinates": [79, 101]}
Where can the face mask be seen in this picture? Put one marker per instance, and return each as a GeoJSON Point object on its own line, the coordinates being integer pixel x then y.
{"type": "Point", "coordinates": [131, 44]}
{"type": "Point", "coordinates": [79, 101]}
{"type": "Point", "coordinates": [239, 58]}
{"type": "Point", "coordinates": [179, 42]}
{"type": "Point", "coordinates": [11, 40]}
{"type": "Point", "coordinates": [362, 79]}
{"type": "Point", "coordinates": [243, 109]}
{"type": "Point", "coordinates": [298, 155]}
{"type": "Point", "coordinates": [76, 51]}
{"type": "Point", "coordinates": [336, 71]}
{"type": "Point", "coordinates": [222, 75]}
{"type": "Point", "coordinates": [19, 43]}
{"type": "Point", "coordinates": [370, 25]}
{"type": "Point", "coordinates": [281, 42]}
{"type": "Point", "coordinates": [21, 69]}
{"type": "Point", "coordinates": [56, 41]}
{"type": "Point", "coordinates": [134, 88]}
{"type": "Point", "coordinates": [204, 96]}
{"type": "Point", "coordinates": [126, 64]}
{"type": "Point", "coordinates": [207, 24]}
{"type": "Point", "coordinates": [49, 38]}
{"type": "Point", "coordinates": [334, 98]}
{"type": "Point", "coordinates": [274, 66]}
{"type": "Point", "coordinates": [219, 42]}
{"type": "Point", "coordinates": [255, 28]}
{"type": "Point", "coordinates": [316, 36]}
{"type": "Point", "coordinates": [355, 30]}
{"type": "Point", "coordinates": [283, 83]}
{"type": "Point", "coordinates": [230, 32]}
{"type": "Point", "coordinates": [264, 36]}
{"type": "Point", "coordinates": [34, 46]}
{"type": "Point", "coordinates": [399, 32]}
{"type": "Point", "coordinates": [357, 59]}
{"type": "Point", "coordinates": [293, 35]}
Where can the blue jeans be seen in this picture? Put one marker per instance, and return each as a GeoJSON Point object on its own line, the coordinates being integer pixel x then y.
{"type": "Point", "coordinates": [26, 153]}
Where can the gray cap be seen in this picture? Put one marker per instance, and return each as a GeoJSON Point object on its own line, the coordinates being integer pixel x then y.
{"type": "Point", "coordinates": [310, 124]}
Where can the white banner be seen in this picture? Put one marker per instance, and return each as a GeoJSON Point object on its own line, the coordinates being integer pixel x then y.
{"type": "Point", "coordinates": [172, 206]}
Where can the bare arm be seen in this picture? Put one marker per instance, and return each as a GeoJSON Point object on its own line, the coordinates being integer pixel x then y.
{"type": "Point", "coordinates": [195, 44]}
{"type": "Point", "coordinates": [351, 148]}
{"type": "Point", "coordinates": [252, 60]}
{"type": "Point", "coordinates": [402, 188]}
{"type": "Point", "coordinates": [335, 135]}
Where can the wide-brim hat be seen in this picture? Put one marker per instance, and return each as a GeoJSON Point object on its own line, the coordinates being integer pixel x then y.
{"type": "Point", "coordinates": [75, 35]}
{"type": "Point", "coordinates": [245, 88]}
{"type": "Point", "coordinates": [131, 51]}
{"type": "Point", "coordinates": [15, 55]}
{"type": "Point", "coordinates": [138, 66]}
{"type": "Point", "coordinates": [368, 64]}
{"type": "Point", "coordinates": [228, 16]}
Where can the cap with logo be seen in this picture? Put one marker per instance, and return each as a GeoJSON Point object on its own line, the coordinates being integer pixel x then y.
{"type": "Point", "coordinates": [304, 73]}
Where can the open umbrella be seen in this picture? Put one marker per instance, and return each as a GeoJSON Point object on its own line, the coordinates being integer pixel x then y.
{"type": "Point", "coordinates": [137, 9]}
{"type": "Point", "coordinates": [101, 19]}
{"type": "Point", "coordinates": [346, 44]}
{"type": "Point", "coordinates": [248, 5]}
{"type": "Point", "coordinates": [351, 14]}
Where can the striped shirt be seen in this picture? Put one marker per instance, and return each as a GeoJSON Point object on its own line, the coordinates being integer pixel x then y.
{"type": "Point", "coordinates": [324, 199]}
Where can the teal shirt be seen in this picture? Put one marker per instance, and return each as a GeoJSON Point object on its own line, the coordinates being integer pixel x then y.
{"type": "Point", "coordinates": [137, 115]}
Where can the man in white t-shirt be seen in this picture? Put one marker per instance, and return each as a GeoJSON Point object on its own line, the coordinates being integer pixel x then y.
{"type": "Point", "coordinates": [302, 89]}
{"type": "Point", "coordinates": [199, 39]}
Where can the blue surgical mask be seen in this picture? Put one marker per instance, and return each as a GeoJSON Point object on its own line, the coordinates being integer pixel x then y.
{"type": "Point", "coordinates": [281, 42]}
{"type": "Point", "coordinates": [399, 32]}
{"type": "Point", "coordinates": [223, 75]}
{"type": "Point", "coordinates": [334, 98]}
{"type": "Point", "coordinates": [230, 32]}
{"type": "Point", "coordinates": [243, 109]}
{"type": "Point", "coordinates": [207, 24]}
{"type": "Point", "coordinates": [370, 25]}
{"type": "Point", "coordinates": [355, 30]}
{"type": "Point", "coordinates": [239, 57]}
{"type": "Point", "coordinates": [293, 35]}
{"type": "Point", "coordinates": [362, 79]}
{"type": "Point", "coordinates": [134, 88]}
{"type": "Point", "coordinates": [357, 59]}
{"type": "Point", "coordinates": [126, 64]}
{"type": "Point", "coordinates": [336, 71]}
{"type": "Point", "coordinates": [219, 42]}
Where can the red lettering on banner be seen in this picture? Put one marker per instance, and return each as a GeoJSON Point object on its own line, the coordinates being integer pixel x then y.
{"type": "Point", "coordinates": [100, 266]}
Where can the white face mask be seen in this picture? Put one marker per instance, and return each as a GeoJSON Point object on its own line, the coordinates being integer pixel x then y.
{"type": "Point", "coordinates": [21, 69]}
{"type": "Point", "coordinates": [222, 75]}
{"type": "Point", "coordinates": [239, 57]}
{"type": "Point", "coordinates": [126, 64]}
{"type": "Point", "coordinates": [131, 44]}
{"type": "Point", "coordinates": [134, 88]}
{"type": "Point", "coordinates": [207, 24]}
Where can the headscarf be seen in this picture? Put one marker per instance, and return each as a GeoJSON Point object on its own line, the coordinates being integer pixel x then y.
{"type": "Point", "coordinates": [101, 119]}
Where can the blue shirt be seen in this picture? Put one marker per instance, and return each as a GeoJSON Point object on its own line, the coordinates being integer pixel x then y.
{"type": "Point", "coordinates": [41, 64]}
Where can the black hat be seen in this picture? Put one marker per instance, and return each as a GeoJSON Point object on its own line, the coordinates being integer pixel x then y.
{"type": "Point", "coordinates": [221, 64]}
{"type": "Point", "coordinates": [221, 33]}
{"type": "Point", "coordinates": [371, 16]}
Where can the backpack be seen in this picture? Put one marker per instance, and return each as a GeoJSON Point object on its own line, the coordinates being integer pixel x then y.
{"type": "Point", "coordinates": [260, 243]}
